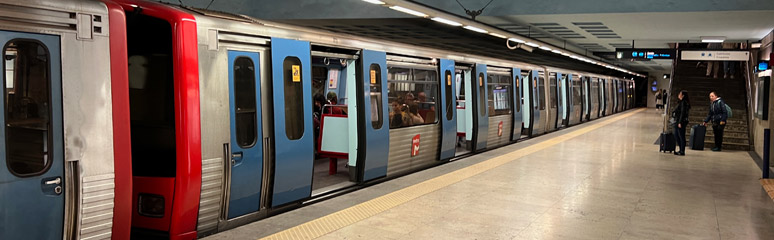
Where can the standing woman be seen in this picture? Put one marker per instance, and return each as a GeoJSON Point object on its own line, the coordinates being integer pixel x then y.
{"type": "Point", "coordinates": [680, 114]}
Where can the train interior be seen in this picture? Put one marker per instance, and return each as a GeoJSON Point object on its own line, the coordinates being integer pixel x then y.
{"type": "Point", "coordinates": [464, 111]}
{"type": "Point", "coordinates": [333, 82]}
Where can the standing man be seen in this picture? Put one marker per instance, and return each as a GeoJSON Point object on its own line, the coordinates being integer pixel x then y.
{"type": "Point", "coordinates": [718, 116]}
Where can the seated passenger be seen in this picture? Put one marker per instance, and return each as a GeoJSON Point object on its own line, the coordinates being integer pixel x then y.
{"type": "Point", "coordinates": [396, 115]}
{"type": "Point", "coordinates": [416, 119]}
{"type": "Point", "coordinates": [333, 100]}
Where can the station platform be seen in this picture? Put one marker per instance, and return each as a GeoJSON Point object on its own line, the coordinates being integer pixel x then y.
{"type": "Point", "coordinates": [600, 180]}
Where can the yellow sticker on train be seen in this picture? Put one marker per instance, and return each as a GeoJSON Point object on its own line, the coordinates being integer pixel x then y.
{"type": "Point", "coordinates": [373, 76]}
{"type": "Point", "coordinates": [296, 69]}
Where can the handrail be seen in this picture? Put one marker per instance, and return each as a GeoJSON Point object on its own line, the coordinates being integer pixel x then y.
{"type": "Point", "coordinates": [666, 102]}
{"type": "Point", "coordinates": [750, 111]}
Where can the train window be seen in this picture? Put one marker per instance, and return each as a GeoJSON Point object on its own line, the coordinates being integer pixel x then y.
{"type": "Point", "coordinates": [519, 100]}
{"type": "Point", "coordinates": [576, 92]}
{"type": "Point", "coordinates": [413, 95]}
{"type": "Point", "coordinates": [461, 87]}
{"type": "Point", "coordinates": [151, 96]}
{"type": "Point", "coordinates": [294, 97]}
{"type": "Point", "coordinates": [244, 99]}
{"type": "Point", "coordinates": [542, 92]}
{"type": "Point", "coordinates": [499, 88]}
{"type": "Point", "coordinates": [27, 108]}
{"type": "Point", "coordinates": [481, 95]}
{"type": "Point", "coordinates": [450, 106]}
{"type": "Point", "coordinates": [376, 96]}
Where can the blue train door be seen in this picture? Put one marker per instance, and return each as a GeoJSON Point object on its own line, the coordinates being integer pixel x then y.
{"type": "Point", "coordinates": [532, 101]}
{"type": "Point", "coordinates": [293, 146]}
{"type": "Point", "coordinates": [586, 99]}
{"type": "Point", "coordinates": [518, 104]}
{"type": "Point", "coordinates": [375, 135]}
{"type": "Point", "coordinates": [246, 133]}
{"type": "Point", "coordinates": [31, 154]}
{"type": "Point", "coordinates": [448, 118]}
{"type": "Point", "coordinates": [481, 119]}
{"type": "Point", "coordinates": [603, 97]}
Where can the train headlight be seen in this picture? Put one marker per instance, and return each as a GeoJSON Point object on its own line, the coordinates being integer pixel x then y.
{"type": "Point", "coordinates": [150, 205]}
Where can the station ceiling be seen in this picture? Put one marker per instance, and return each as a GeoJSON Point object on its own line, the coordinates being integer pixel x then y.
{"type": "Point", "coordinates": [584, 27]}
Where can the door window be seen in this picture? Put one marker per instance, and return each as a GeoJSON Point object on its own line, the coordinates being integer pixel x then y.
{"type": "Point", "coordinates": [448, 101]}
{"type": "Point", "coordinates": [27, 107]}
{"type": "Point", "coordinates": [294, 98]}
{"type": "Point", "coordinates": [244, 101]}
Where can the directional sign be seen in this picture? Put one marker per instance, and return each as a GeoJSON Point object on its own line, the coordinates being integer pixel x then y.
{"type": "Point", "coordinates": [645, 53]}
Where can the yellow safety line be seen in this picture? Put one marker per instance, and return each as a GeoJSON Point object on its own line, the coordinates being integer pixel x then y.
{"type": "Point", "coordinates": [768, 185]}
{"type": "Point", "coordinates": [335, 221]}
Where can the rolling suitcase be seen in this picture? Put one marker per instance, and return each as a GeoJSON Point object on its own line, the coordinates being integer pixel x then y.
{"type": "Point", "coordinates": [697, 137]}
{"type": "Point", "coordinates": [667, 142]}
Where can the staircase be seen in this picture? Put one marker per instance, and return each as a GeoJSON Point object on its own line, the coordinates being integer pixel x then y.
{"type": "Point", "coordinates": [733, 91]}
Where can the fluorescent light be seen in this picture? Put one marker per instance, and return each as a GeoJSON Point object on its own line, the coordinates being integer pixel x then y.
{"type": "Point", "coordinates": [531, 44]}
{"type": "Point", "coordinates": [705, 39]}
{"type": "Point", "coordinates": [475, 29]}
{"type": "Point", "coordinates": [516, 40]}
{"type": "Point", "coordinates": [497, 35]}
{"type": "Point", "coordinates": [446, 21]}
{"type": "Point", "coordinates": [409, 11]}
{"type": "Point", "coordinates": [374, 2]}
{"type": "Point", "coordinates": [546, 48]}
{"type": "Point", "coordinates": [556, 51]}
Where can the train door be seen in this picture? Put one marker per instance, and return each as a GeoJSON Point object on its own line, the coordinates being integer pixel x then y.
{"type": "Point", "coordinates": [518, 104]}
{"type": "Point", "coordinates": [374, 138]}
{"type": "Point", "coordinates": [554, 106]}
{"type": "Point", "coordinates": [481, 118]}
{"type": "Point", "coordinates": [586, 99]}
{"type": "Point", "coordinates": [293, 139]}
{"type": "Point", "coordinates": [449, 113]}
{"type": "Point", "coordinates": [541, 100]}
{"type": "Point", "coordinates": [603, 97]}
{"type": "Point", "coordinates": [576, 99]}
{"type": "Point", "coordinates": [595, 102]}
{"type": "Point", "coordinates": [246, 144]}
{"type": "Point", "coordinates": [569, 99]}
{"type": "Point", "coordinates": [32, 182]}
{"type": "Point", "coordinates": [615, 91]}
{"type": "Point", "coordinates": [464, 107]}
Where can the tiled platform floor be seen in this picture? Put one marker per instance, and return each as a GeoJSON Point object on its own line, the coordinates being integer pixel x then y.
{"type": "Point", "coordinates": [607, 182]}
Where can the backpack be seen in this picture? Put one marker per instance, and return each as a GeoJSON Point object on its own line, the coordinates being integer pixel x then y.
{"type": "Point", "coordinates": [728, 110]}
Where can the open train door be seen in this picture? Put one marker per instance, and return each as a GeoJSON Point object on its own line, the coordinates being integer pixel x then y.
{"type": "Point", "coordinates": [518, 104]}
{"type": "Point", "coordinates": [481, 115]}
{"type": "Point", "coordinates": [293, 126]}
{"type": "Point", "coordinates": [373, 129]}
{"type": "Point", "coordinates": [448, 115]}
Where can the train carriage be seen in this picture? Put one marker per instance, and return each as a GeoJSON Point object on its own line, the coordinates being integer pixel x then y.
{"type": "Point", "coordinates": [202, 121]}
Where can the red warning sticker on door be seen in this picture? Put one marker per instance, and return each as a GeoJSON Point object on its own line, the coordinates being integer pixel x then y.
{"type": "Point", "coordinates": [415, 145]}
{"type": "Point", "coordinates": [500, 129]}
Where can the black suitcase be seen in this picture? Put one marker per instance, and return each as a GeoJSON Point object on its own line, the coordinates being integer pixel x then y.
{"type": "Point", "coordinates": [697, 137]}
{"type": "Point", "coordinates": [667, 142]}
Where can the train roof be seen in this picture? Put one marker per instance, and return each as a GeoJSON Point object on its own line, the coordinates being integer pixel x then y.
{"type": "Point", "coordinates": [245, 26]}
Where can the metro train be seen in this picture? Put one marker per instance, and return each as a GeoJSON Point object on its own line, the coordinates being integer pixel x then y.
{"type": "Point", "coordinates": [143, 119]}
